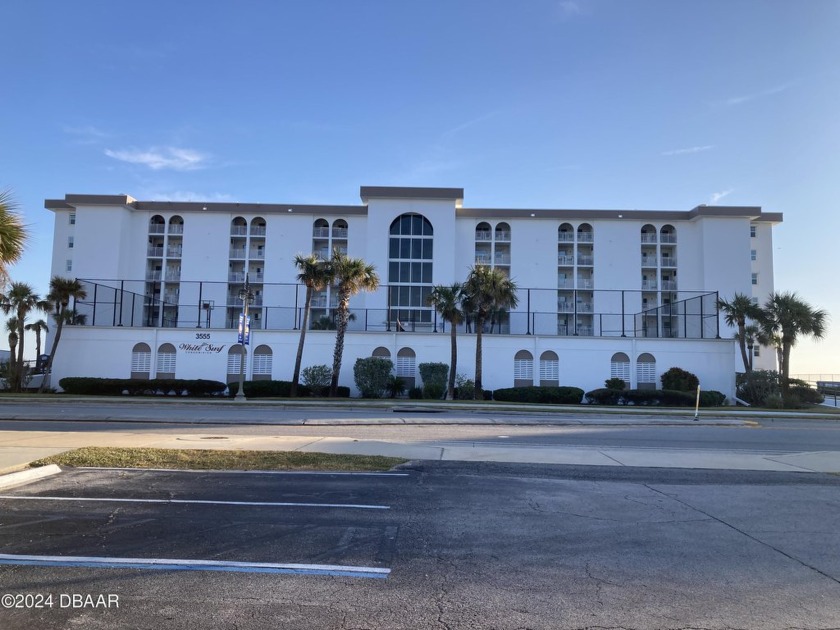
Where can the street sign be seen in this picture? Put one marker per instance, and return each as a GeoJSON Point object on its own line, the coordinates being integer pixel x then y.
{"type": "Point", "coordinates": [244, 335]}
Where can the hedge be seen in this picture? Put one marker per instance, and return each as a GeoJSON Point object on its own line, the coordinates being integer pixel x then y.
{"type": "Point", "coordinates": [277, 389]}
{"type": "Point", "coordinates": [545, 395]}
{"type": "Point", "coordinates": [89, 386]}
{"type": "Point", "coordinates": [653, 397]}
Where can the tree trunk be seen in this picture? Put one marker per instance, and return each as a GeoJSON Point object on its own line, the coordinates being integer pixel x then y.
{"type": "Point", "coordinates": [48, 367]}
{"type": "Point", "coordinates": [299, 358]}
{"type": "Point", "coordinates": [785, 368]}
{"type": "Point", "coordinates": [19, 371]}
{"type": "Point", "coordinates": [479, 390]}
{"type": "Point", "coordinates": [742, 343]}
{"type": "Point", "coordinates": [453, 361]}
{"type": "Point", "coordinates": [340, 329]}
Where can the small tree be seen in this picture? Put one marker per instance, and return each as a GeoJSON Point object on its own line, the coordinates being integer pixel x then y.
{"type": "Point", "coordinates": [615, 383]}
{"type": "Point", "coordinates": [317, 379]}
{"type": "Point", "coordinates": [372, 375]}
{"type": "Point", "coordinates": [434, 377]}
{"type": "Point", "coordinates": [396, 386]}
{"type": "Point", "coordinates": [679, 380]}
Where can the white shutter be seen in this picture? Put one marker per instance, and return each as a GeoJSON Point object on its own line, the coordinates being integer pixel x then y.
{"type": "Point", "coordinates": [646, 372]}
{"type": "Point", "coordinates": [166, 362]}
{"type": "Point", "coordinates": [141, 361]}
{"type": "Point", "coordinates": [405, 366]}
{"type": "Point", "coordinates": [523, 369]}
{"type": "Point", "coordinates": [234, 361]}
{"type": "Point", "coordinates": [620, 369]}
{"type": "Point", "coordinates": [549, 370]}
{"type": "Point", "coordinates": [262, 364]}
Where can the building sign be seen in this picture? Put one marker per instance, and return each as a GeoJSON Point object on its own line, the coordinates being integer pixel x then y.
{"type": "Point", "coordinates": [201, 346]}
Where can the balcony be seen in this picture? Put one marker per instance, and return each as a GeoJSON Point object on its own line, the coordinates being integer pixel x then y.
{"type": "Point", "coordinates": [585, 237]}
{"type": "Point", "coordinates": [569, 307]}
{"type": "Point", "coordinates": [667, 238]}
{"type": "Point", "coordinates": [668, 261]}
{"type": "Point", "coordinates": [171, 297]}
{"type": "Point", "coordinates": [176, 228]}
{"type": "Point", "coordinates": [256, 276]}
{"type": "Point", "coordinates": [256, 254]}
{"type": "Point", "coordinates": [174, 252]}
{"type": "Point", "coordinates": [236, 276]}
{"type": "Point", "coordinates": [648, 261]}
{"type": "Point", "coordinates": [503, 235]}
{"type": "Point", "coordinates": [648, 285]}
{"type": "Point", "coordinates": [257, 230]}
{"type": "Point", "coordinates": [173, 275]}
{"type": "Point", "coordinates": [565, 284]}
{"type": "Point", "coordinates": [586, 261]}
{"type": "Point", "coordinates": [154, 252]}
{"type": "Point", "coordinates": [238, 230]}
{"type": "Point", "coordinates": [339, 233]}
{"type": "Point", "coordinates": [501, 259]}
{"type": "Point", "coordinates": [157, 228]}
{"type": "Point", "coordinates": [649, 237]}
{"type": "Point", "coordinates": [154, 275]}
{"type": "Point", "coordinates": [669, 285]}
{"type": "Point", "coordinates": [585, 283]}
{"type": "Point", "coordinates": [565, 237]}
{"type": "Point", "coordinates": [237, 253]}
{"type": "Point", "coordinates": [482, 259]}
{"type": "Point", "coordinates": [483, 235]}
{"type": "Point", "coordinates": [565, 259]}
{"type": "Point", "coordinates": [584, 331]}
{"type": "Point", "coordinates": [320, 232]}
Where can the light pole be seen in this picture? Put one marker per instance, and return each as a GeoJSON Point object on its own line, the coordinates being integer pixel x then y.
{"type": "Point", "coordinates": [244, 333]}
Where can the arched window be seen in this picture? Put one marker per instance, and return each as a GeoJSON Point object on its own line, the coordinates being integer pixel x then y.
{"type": "Point", "coordinates": [648, 233]}
{"type": "Point", "coordinates": [584, 233]}
{"type": "Point", "coordinates": [523, 369]}
{"type": "Point", "coordinates": [483, 232]}
{"type": "Point", "coordinates": [339, 229]}
{"type": "Point", "coordinates": [410, 272]}
{"type": "Point", "coordinates": [549, 368]}
{"type": "Point", "coordinates": [165, 361]}
{"type": "Point", "coordinates": [234, 362]}
{"type": "Point", "coordinates": [239, 227]}
{"type": "Point", "coordinates": [382, 353]}
{"type": "Point", "coordinates": [262, 363]}
{"type": "Point", "coordinates": [565, 233]}
{"type": "Point", "coordinates": [157, 225]}
{"type": "Point", "coordinates": [141, 361]}
{"type": "Point", "coordinates": [406, 368]}
{"type": "Point", "coordinates": [257, 226]}
{"type": "Point", "coordinates": [646, 371]}
{"type": "Point", "coordinates": [668, 234]}
{"type": "Point", "coordinates": [502, 232]}
{"type": "Point", "coordinates": [620, 367]}
{"type": "Point", "coordinates": [176, 225]}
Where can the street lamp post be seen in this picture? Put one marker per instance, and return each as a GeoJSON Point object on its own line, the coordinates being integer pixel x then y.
{"type": "Point", "coordinates": [247, 297]}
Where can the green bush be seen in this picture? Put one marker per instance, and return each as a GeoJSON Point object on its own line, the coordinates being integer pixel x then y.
{"type": "Point", "coordinates": [415, 393]}
{"type": "Point", "coordinates": [680, 380]}
{"type": "Point", "coordinates": [712, 398]}
{"type": "Point", "coordinates": [434, 377]}
{"type": "Point", "coordinates": [371, 375]}
{"type": "Point", "coordinates": [317, 378]}
{"type": "Point", "coordinates": [268, 389]}
{"type": "Point", "coordinates": [641, 397]}
{"type": "Point", "coordinates": [615, 383]}
{"type": "Point", "coordinates": [396, 386]}
{"type": "Point", "coordinates": [677, 398]}
{"type": "Point", "coordinates": [89, 386]}
{"type": "Point", "coordinates": [604, 396]}
{"type": "Point", "coordinates": [464, 388]}
{"type": "Point", "coordinates": [544, 395]}
{"type": "Point", "coordinates": [804, 392]}
{"type": "Point", "coordinates": [758, 387]}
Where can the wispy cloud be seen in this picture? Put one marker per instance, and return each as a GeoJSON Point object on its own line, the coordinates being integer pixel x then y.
{"type": "Point", "coordinates": [720, 195]}
{"type": "Point", "coordinates": [174, 158]}
{"type": "Point", "coordinates": [449, 133]}
{"type": "Point", "coordinates": [739, 100]}
{"type": "Point", "coordinates": [687, 150]}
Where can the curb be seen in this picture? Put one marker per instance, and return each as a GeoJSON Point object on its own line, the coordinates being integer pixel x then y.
{"type": "Point", "coordinates": [26, 476]}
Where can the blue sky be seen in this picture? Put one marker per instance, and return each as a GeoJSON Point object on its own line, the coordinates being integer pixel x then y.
{"type": "Point", "coordinates": [540, 103]}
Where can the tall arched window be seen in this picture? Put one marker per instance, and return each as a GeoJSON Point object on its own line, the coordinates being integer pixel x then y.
{"type": "Point", "coordinates": [523, 369]}
{"type": "Point", "coordinates": [257, 226]}
{"type": "Point", "coordinates": [234, 362]}
{"type": "Point", "coordinates": [549, 369]}
{"type": "Point", "coordinates": [382, 353]}
{"type": "Point", "coordinates": [165, 361]}
{"type": "Point", "coordinates": [620, 367]}
{"type": "Point", "coordinates": [176, 225]}
{"type": "Point", "coordinates": [141, 361]}
{"type": "Point", "coordinates": [262, 363]}
{"type": "Point", "coordinates": [157, 225]}
{"type": "Point", "coordinates": [668, 234]}
{"type": "Point", "coordinates": [646, 371]}
{"type": "Point", "coordinates": [406, 366]}
{"type": "Point", "coordinates": [648, 234]}
{"type": "Point", "coordinates": [410, 272]}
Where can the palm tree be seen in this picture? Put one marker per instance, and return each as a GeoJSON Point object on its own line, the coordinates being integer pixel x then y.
{"type": "Point", "coordinates": [787, 316]}
{"type": "Point", "coordinates": [349, 276]}
{"type": "Point", "coordinates": [62, 291]}
{"type": "Point", "coordinates": [487, 290]}
{"type": "Point", "coordinates": [13, 234]}
{"type": "Point", "coordinates": [447, 302]}
{"type": "Point", "coordinates": [38, 327]}
{"type": "Point", "coordinates": [21, 300]}
{"type": "Point", "coordinates": [315, 276]}
{"type": "Point", "coordinates": [736, 313]}
{"type": "Point", "coordinates": [12, 329]}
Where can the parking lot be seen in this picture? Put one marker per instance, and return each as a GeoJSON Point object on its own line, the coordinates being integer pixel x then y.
{"type": "Point", "coordinates": [431, 545]}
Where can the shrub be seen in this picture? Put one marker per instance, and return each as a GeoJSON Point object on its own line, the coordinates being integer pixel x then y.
{"type": "Point", "coordinates": [676, 398]}
{"type": "Point", "coordinates": [396, 386]}
{"type": "Point", "coordinates": [415, 393]}
{"type": "Point", "coordinates": [804, 392]}
{"type": "Point", "coordinates": [269, 389]}
{"type": "Point", "coordinates": [434, 377]}
{"type": "Point", "coordinates": [680, 380]}
{"type": "Point", "coordinates": [317, 378]}
{"type": "Point", "coordinates": [545, 395]}
{"type": "Point", "coordinates": [712, 398]}
{"type": "Point", "coordinates": [603, 396]}
{"type": "Point", "coordinates": [464, 388]}
{"type": "Point", "coordinates": [342, 391]}
{"type": "Point", "coordinates": [90, 386]}
{"type": "Point", "coordinates": [371, 375]}
{"type": "Point", "coordinates": [641, 397]}
{"type": "Point", "coordinates": [615, 383]}
{"type": "Point", "coordinates": [758, 387]}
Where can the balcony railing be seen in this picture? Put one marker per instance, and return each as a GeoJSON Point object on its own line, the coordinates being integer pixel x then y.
{"type": "Point", "coordinates": [237, 253]}
{"type": "Point", "coordinates": [153, 275]}
{"type": "Point", "coordinates": [236, 276]}
{"type": "Point", "coordinates": [238, 230]}
{"type": "Point", "coordinates": [565, 284]}
{"type": "Point", "coordinates": [669, 285]}
{"type": "Point", "coordinates": [669, 261]}
{"type": "Point", "coordinates": [155, 252]}
{"type": "Point", "coordinates": [482, 259]}
{"type": "Point", "coordinates": [565, 237]}
{"type": "Point", "coordinates": [586, 260]}
{"type": "Point", "coordinates": [173, 276]}
{"type": "Point", "coordinates": [585, 283]}
{"type": "Point", "coordinates": [649, 237]}
{"type": "Point", "coordinates": [502, 259]}
{"type": "Point", "coordinates": [176, 228]}
{"type": "Point", "coordinates": [257, 230]}
{"type": "Point", "coordinates": [647, 285]}
{"type": "Point", "coordinates": [502, 235]}
{"type": "Point", "coordinates": [157, 228]}
{"type": "Point", "coordinates": [174, 252]}
{"type": "Point", "coordinates": [320, 232]}
{"type": "Point", "coordinates": [483, 235]}
{"type": "Point", "coordinates": [569, 307]}
{"type": "Point", "coordinates": [648, 261]}
{"type": "Point", "coordinates": [565, 260]}
{"type": "Point", "coordinates": [585, 237]}
{"type": "Point", "coordinates": [256, 254]}
{"type": "Point", "coordinates": [667, 238]}
{"type": "Point", "coordinates": [339, 233]}
{"type": "Point", "coordinates": [254, 276]}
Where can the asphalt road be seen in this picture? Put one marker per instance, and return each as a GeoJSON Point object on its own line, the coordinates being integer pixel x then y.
{"type": "Point", "coordinates": [446, 546]}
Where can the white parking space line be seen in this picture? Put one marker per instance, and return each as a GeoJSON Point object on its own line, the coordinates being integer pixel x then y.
{"type": "Point", "coordinates": [195, 565]}
{"type": "Point", "coordinates": [200, 502]}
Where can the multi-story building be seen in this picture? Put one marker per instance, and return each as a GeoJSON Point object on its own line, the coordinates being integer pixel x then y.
{"type": "Point", "coordinates": [602, 293]}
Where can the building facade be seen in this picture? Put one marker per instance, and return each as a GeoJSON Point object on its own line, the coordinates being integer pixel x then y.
{"type": "Point", "coordinates": [601, 293]}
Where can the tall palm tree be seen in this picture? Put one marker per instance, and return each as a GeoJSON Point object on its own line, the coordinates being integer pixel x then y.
{"type": "Point", "coordinates": [736, 312]}
{"type": "Point", "coordinates": [62, 292]}
{"type": "Point", "coordinates": [315, 275]}
{"type": "Point", "coordinates": [349, 277]}
{"type": "Point", "coordinates": [38, 327]}
{"type": "Point", "coordinates": [21, 300]}
{"type": "Point", "coordinates": [447, 302]}
{"type": "Point", "coordinates": [789, 317]}
{"type": "Point", "coordinates": [13, 234]}
{"type": "Point", "coordinates": [487, 290]}
{"type": "Point", "coordinates": [12, 329]}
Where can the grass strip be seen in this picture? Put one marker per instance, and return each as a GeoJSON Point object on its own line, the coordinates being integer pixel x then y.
{"type": "Point", "coordinates": [198, 459]}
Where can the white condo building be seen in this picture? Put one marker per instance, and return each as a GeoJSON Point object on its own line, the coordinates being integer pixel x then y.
{"type": "Point", "coordinates": [602, 293]}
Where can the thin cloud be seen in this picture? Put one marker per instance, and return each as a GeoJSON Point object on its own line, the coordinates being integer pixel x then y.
{"type": "Point", "coordinates": [568, 9]}
{"type": "Point", "coordinates": [449, 133]}
{"type": "Point", "coordinates": [157, 159]}
{"type": "Point", "coordinates": [739, 100]}
{"type": "Point", "coordinates": [689, 150]}
{"type": "Point", "coordinates": [720, 195]}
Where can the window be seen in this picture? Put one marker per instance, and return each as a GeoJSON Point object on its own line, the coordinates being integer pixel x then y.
{"type": "Point", "coordinates": [646, 371]}
{"type": "Point", "coordinates": [410, 271]}
{"type": "Point", "coordinates": [234, 362]}
{"type": "Point", "coordinates": [70, 242]}
{"type": "Point", "coordinates": [405, 368]}
{"type": "Point", "coordinates": [620, 367]}
{"type": "Point", "coordinates": [72, 218]}
{"type": "Point", "coordinates": [382, 353]}
{"type": "Point", "coordinates": [523, 369]}
{"type": "Point", "coordinates": [165, 361]}
{"type": "Point", "coordinates": [752, 231]}
{"type": "Point", "coordinates": [756, 352]}
{"type": "Point", "coordinates": [141, 361]}
{"type": "Point", "coordinates": [262, 363]}
{"type": "Point", "coordinates": [549, 369]}
{"type": "Point", "coordinates": [752, 254]}
{"type": "Point", "coordinates": [755, 278]}
{"type": "Point", "coordinates": [69, 265]}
